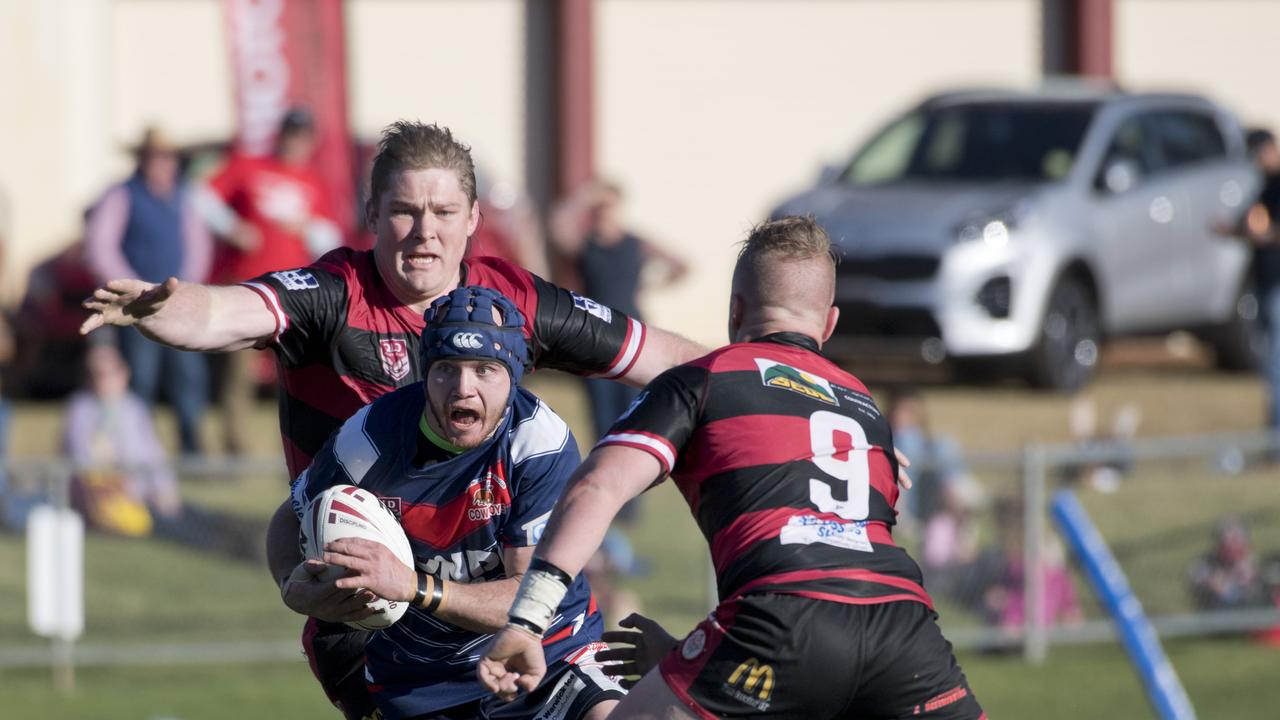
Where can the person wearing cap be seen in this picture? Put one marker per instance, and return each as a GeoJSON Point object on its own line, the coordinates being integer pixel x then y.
{"type": "Point", "coordinates": [147, 227]}
{"type": "Point", "coordinates": [272, 213]}
{"type": "Point", "coordinates": [471, 464]}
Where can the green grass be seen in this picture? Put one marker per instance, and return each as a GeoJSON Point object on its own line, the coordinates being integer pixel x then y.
{"type": "Point", "coordinates": [145, 591]}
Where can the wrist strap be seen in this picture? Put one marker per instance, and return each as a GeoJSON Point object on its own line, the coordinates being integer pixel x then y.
{"type": "Point", "coordinates": [420, 597]}
{"type": "Point", "coordinates": [430, 595]}
{"type": "Point", "coordinates": [541, 592]}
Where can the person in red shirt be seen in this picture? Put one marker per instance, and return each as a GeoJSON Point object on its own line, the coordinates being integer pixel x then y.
{"type": "Point", "coordinates": [272, 213]}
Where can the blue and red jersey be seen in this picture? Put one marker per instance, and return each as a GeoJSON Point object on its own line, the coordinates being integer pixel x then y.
{"type": "Point", "coordinates": [459, 515]}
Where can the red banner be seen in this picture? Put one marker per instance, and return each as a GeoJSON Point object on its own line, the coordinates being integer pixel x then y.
{"type": "Point", "coordinates": [292, 53]}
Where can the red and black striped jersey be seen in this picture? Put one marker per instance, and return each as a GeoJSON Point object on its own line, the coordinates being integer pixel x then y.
{"type": "Point", "coordinates": [343, 339]}
{"type": "Point", "coordinates": [788, 467]}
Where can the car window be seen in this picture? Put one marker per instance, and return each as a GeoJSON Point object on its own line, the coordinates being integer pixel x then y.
{"type": "Point", "coordinates": [1133, 146]}
{"type": "Point", "coordinates": [886, 157]}
{"type": "Point", "coordinates": [976, 141]}
{"type": "Point", "coordinates": [1187, 137]}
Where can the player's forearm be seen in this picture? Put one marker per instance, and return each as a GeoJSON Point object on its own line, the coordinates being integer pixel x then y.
{"type": "Point", "coordinates": [209, 318]}
{"type": "Point", "coordinates": [283, 554]}
{"type": "Point", "coordinates": [662, 351]}
{"type": "Point", "coordinates": [479, 607]}
{"type": "Point", "coordinates": [579, 523]}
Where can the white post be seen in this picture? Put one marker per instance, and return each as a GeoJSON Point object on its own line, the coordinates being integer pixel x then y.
{"type": "Point", "coordinates": [1035, 637]}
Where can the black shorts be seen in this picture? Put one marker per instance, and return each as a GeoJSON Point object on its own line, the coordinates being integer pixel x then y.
{"type": "Point", "coordinates": [336, 654]}
{"type": "Point", "coordinates": [786, 656]}
{"type": "Point", "coordinates": [572, 686]}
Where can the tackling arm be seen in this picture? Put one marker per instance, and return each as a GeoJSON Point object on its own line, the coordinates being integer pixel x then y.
{"type": "Point", "coordinates": [662, 351]}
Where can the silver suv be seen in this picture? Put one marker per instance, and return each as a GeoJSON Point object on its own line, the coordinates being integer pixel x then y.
{"type": "Point", "coordinates": [1025, 228]}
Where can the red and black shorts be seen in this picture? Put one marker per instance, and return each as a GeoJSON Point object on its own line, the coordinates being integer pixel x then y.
{"type": "Point", "coordinates": [786, 656]}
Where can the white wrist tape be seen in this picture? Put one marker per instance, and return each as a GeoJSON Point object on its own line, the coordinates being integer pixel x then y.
{"type": "Point", "coordinates": [539, 596]}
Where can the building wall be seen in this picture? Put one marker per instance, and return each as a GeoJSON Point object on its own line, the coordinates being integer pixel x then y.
{"type": "Point", "coordinates": [1226, 49]}
{"type": "Point", "coordinates": [711, 111]}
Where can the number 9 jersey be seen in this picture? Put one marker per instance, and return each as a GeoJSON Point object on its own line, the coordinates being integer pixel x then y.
{"type": "Point", "coordinates": [788, 467]}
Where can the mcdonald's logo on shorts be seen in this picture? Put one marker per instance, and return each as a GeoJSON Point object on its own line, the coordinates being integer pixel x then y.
{"type": "Point", "coordinates": [751, 683]}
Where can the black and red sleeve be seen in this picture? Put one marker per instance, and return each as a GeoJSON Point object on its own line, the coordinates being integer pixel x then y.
{"type": "Point", "coordinates": [309, 305]}
{"type": "Point", "coordinates": [663, 417]}
{"type": "Point", "coordinates": [569, 332]}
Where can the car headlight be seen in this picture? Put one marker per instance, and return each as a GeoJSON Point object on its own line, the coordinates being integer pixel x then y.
{"type": "Point", "coordinates": [993, 232]}
{"type": "Point", "coordinates": [992, 228]}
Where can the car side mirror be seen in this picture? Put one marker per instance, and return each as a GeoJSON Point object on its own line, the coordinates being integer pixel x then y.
{"type": "Point", "coordinates": [1119, 176]}
{"type": "Point", "coordinates": [828, 174]}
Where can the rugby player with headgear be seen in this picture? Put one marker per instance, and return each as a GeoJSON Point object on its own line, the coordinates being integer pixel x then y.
{"type": "Point", "coordinates": [345, 329]}
{"type": "Point", "coordinates": [788, 467]}
{"type": "Point", "coordinates": [472, 464]}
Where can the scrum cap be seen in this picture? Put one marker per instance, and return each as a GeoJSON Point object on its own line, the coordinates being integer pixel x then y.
{"type": "Point", "coordinates": [461, 325]}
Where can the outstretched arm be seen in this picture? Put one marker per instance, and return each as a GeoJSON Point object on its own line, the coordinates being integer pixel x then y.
{"type": "Point", "coordinates": [187, 316]}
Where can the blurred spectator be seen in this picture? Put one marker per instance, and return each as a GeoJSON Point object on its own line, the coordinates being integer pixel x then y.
{"type": "Point", "coordinates": [1263, 229]}
{"type": "Point", "coordinates": [122, 472]}
{"type": "Point", "coordinates": [1228, 577]}
{"type": "Point", "coordinates": [937, 461]}
{"type": "Point", "coordinates": [1004, 599]}
{"type": "Point", "coordinates": [508, 227]}
{"type": "Point", "coordinates": [147, 228]}
{"type": "Point", "coordinates": [6, 352]}
{"type": "Point", "coordinates": [124, 483]}
{"type": "Point", "coordinates": [610, 261]}
{"type": "Point", "coordinates": [49, 347]}
{"type": "Point", "coordinates": [1103, 476]}
{"type": "Point", "coordinates": [273, 214]}
{"type": "Point", "coordinates": [949, 542]}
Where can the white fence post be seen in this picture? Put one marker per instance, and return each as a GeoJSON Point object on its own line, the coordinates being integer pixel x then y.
{"type": "Point", "coordinates": [1035, 633]}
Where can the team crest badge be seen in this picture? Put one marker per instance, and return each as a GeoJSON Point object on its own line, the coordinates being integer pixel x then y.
{"type": "Point", "coordinates": [775, 374]}
{"type": "Point", "coordinates": [395, 358]}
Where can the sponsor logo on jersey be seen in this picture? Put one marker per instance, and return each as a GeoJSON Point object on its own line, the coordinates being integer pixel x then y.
{"type": "Point", "coordinates": [756, 682]}
{"type": "Point", "coordinates": [694, 644]}
{"type": "Point", "coordinates": [296, 279]}
{"type": "Point", "coordinates": [395, 358]}
{"type": "Point", "coordinates": [534, 528]}
{"type": "Point", "coordinates": [466, 341]}
{"type": "Point", "coordinates": [463, 565]}
{"type": "Point", "coordinates": [775, 374]}
{"type": "Point", "coordinates": [393, 505]}
{"type": "Point", "coordinates": [604, 312]}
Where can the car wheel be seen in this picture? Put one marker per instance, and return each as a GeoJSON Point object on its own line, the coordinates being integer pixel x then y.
{"type": "Point", "coordinates": [1066, 355]}
{"type": "Point", "coordinates": [1240, 344]}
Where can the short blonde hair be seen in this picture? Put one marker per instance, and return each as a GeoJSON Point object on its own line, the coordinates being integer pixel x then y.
{"type": "Point", "coordinates": [412, 145]}
{"type": "Point", "coordinates": [786, 239]}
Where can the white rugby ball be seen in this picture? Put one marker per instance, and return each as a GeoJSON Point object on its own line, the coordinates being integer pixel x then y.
{"type": "Point", "coordinates": [346, 511]}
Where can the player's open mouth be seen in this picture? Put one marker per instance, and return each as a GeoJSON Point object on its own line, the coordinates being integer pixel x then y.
{"type": "Point", "coordinates": [464, 419]}
{"type": "Point", "coordinates": [420, 262]}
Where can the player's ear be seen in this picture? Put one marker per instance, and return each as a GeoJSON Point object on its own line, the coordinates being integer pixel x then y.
{"type": "Point", "coordinates": [833, 317]}
{"type": "Point", "coordinates": [474, 220]}
{"type": "Point", "coordinates": [735, 316]}
{"type": "Point", "coordinates": [371, 216]}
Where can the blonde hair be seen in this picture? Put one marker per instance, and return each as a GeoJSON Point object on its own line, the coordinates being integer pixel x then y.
{"type": "Point", "coordinates": [412, 145]}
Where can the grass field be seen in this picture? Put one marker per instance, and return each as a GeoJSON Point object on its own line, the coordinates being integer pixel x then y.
{"type": "Point", "coordinates": [142, 591]}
